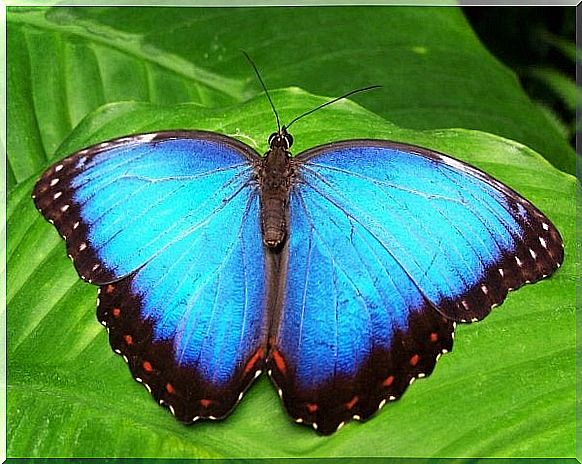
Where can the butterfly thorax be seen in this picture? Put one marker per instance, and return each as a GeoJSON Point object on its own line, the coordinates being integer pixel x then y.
{"type": "Point", "coordinates": [274, 176]}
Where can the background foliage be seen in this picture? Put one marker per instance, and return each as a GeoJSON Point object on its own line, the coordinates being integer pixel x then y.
{"type": "Point", "coordinates": [508, 387]}
{"type": "Point", "coordinates": [539, 45]}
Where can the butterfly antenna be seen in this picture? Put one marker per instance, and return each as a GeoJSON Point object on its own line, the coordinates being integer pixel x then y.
{"type": "Point", "coordinates": [364, 89]}
{"type": "Point", "coordinates": [264, 88]}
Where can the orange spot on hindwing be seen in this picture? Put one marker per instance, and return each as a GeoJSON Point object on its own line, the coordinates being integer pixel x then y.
{"type": "Point", "coordinates": [170, 388]}
{"type": "Point", "coordinates": [205, 403]}
{"type": "Point", "coordinates": [389, 381]}
{"type": "Point", "coordinates": [350, 404]}
{"type": "Point", "coordinates": [116, 312]}
{"type": "Point", "coordinates": [253, 361]}
{"type": "Point", "coordinates": [279, 362]}
{"type": "Point", "coordinates": [311, 407]}
{"type": "Point", "coordinates": [109, 288]}
{"type": "Point", "coordinates": [414, 360]}
{"type": "Point", "coordinates": [128, 339]}
{"type": "Point", "coordinates": [147, 366]}
{"type": "Point", "coordinates": [434, 337]}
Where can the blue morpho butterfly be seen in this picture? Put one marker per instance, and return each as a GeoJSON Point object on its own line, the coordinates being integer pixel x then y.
{"type": "Point", "coordinates": [341, 271]}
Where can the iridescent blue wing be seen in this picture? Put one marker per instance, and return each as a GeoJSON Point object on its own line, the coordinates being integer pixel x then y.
{"type": "Point", "coordinates": [390, 245]}
{"type": "Point", "coordinates": [167, 224]}
{"type": "Point", "coordinates": [120, 202]}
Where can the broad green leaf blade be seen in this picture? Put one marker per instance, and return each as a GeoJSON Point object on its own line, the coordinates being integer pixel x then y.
{"type": "Point", "coordinates": [507, 389]}
{"type": "Point", "coordinates": [61, 71]}
{"type": "Point", "coordinates": [65, 62]}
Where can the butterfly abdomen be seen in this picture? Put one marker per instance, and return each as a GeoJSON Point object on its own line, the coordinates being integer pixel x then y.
{"type": "Point", "coordinates": [274, 183]}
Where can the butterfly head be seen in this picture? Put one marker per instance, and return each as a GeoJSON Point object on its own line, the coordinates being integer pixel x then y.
{"type": "Point", "coordinates": [281, 139]}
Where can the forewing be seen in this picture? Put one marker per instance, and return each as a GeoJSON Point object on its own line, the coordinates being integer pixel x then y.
{"type": "Point", "coordinates": [389, 246]}
{"type": "Point", "coordinates": [119, 203]}
{"type": "Point", "coordinates": [461, 236]}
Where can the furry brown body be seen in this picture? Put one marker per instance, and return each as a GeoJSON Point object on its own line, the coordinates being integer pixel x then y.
{"type": "Point", "coordinates": [275, 174]}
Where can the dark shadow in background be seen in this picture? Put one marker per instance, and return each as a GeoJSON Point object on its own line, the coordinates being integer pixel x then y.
{"type": "Point", "coordinates": [539, 45]}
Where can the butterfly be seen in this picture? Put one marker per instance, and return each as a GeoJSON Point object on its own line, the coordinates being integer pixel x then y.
{"type": "Point", "coordinates": [341, 271]}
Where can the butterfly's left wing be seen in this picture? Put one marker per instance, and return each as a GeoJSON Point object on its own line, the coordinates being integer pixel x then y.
{"type": "Point", "coordinates": [168, 225]}
{"type": "Point", "coordinates": [389, 246]}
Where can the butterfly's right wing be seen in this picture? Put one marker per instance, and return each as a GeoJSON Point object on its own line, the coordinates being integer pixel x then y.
{"type": "Point", "coordinates": [168, 225]}
{"type": "Point", "coordinates": [389, 245]}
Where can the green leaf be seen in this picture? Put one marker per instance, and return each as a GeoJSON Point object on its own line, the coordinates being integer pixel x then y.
{"type": "Point", "coordinates": [66, 62]}
{"type": "Point", "coordinates": [566, 47]}
{"type": "Point", "coordinates": [554, 118]}
{"type": "Point", "coordinates": [559, 83]}
{"type": "Point", "coordinates": [507, 389]}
